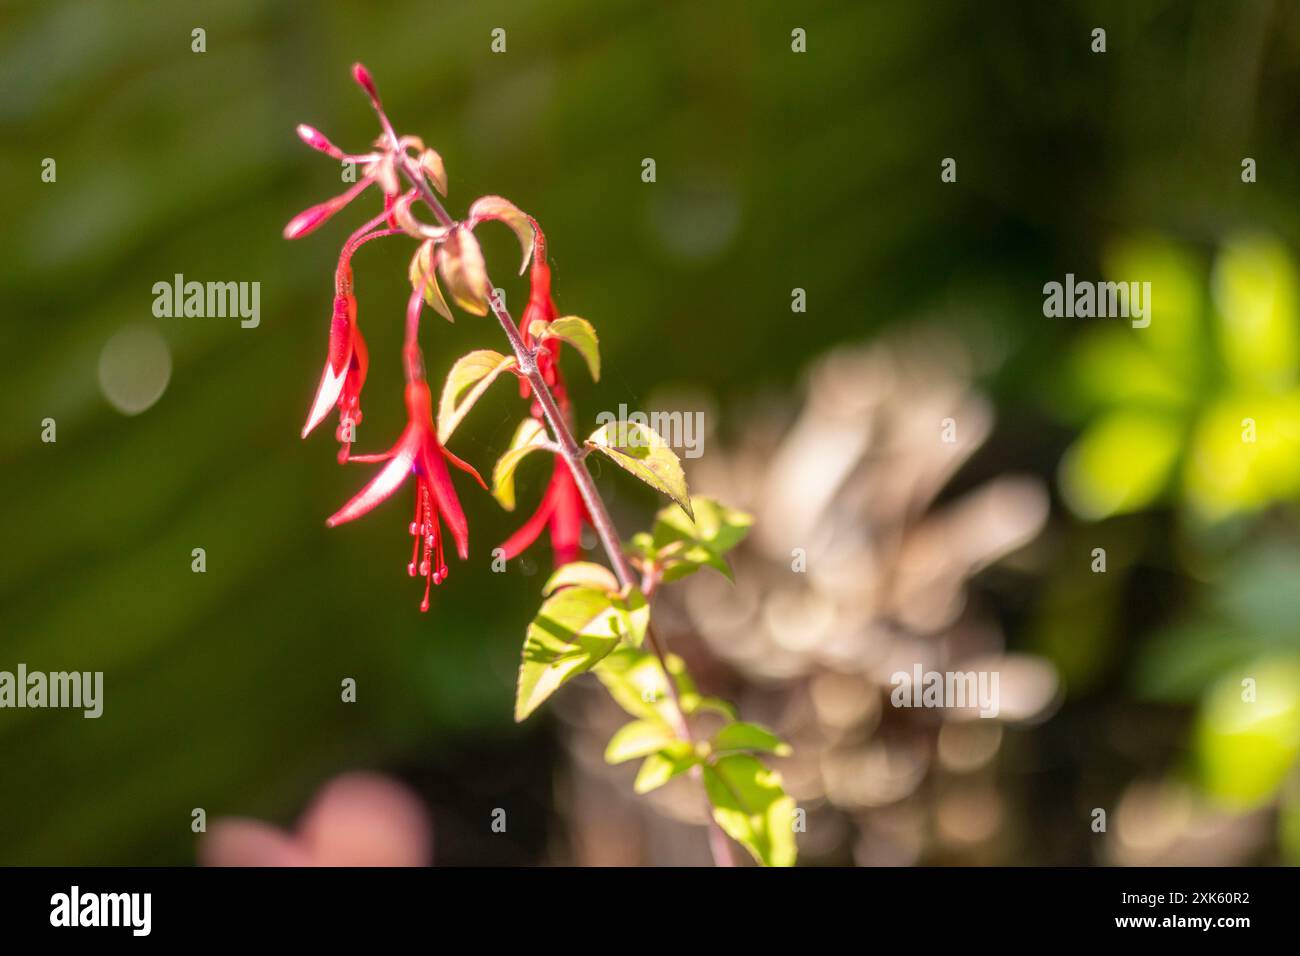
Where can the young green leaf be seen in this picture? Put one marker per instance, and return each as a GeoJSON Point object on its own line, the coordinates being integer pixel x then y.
{"type": "Point", "coordinates": [583, 573]}
{"type": "Point", "coordinates": [661, 767]}
{"type": "Point", "coordinates": [752, 808]}
{"type": "Point", "coordinates": [641, 451]}
{"type": "Point", "coordinates": [460, 262]}
{"type": "Point", "coordinates": [529, 436]}
{"type": "Point", "coordinates": [475, 372]}
{"type": "Point", "coordinates": [746, 736]}
{"type": "Point", "coordinates": [714, 526]}
{"type": "Point", "coordinates": [637, 683]}
{"type": "Point", "coordinates": [423, 277]}
{"type": "Point", "coordinates": [503, 210]}
{"type": "Point", "coordinates": [638, 739]}
{"type": "Point", "coordinates": [636, 610]}
{"type": "Point", "coordinates": [575, 628]}
{"type": "Point", "coordinates": [683, 546]}
{"type": "Point", "coordinates": [578, 333]}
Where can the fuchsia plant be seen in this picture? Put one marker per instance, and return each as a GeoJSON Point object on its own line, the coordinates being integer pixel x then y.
{"type": "Point", "coordinates": [593, 618]}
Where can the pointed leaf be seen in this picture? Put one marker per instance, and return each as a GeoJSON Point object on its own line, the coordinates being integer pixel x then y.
{"type": "Point", "coordinates": [661, 767]}
{"type": "Point", "coordinates": [475, 372]}
{"type": "Point", "coordinates": [424, 278]}
{"type": "Point", "coordinates": [746, 736]}
{"type": "Point", "coordinates": [752, 808]}
{"type": "Point", "coordinates": [638, 739]}
{"type": "Point", "coordinates": [640, 450]}
{"type": "Point", "coordinates": [578, 333]}
{"type": "Point", "coordinates": [431, 163]}
{"type": "Point", "coordinates": [529, 436]}
{"type": "Point", "coordinates": [574, 630]}
{"type": "Point", "coordinates": [638, 684]}
{"type": "Point", "coordinates": [715, 526]}
{"type": "Point", "coordinates": [503, 210]}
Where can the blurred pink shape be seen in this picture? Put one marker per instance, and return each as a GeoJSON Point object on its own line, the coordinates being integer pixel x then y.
{"type": "Point", "coordinates": [358, 819]}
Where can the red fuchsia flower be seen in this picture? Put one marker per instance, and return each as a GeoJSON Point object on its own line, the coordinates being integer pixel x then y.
{"type": "Point", "coordinates": [540, 308]}
{"type": "Point", "coordinates": [562, 508]}
{"type": "Point", "coordinates": [563, 511]}
{"type": "Point", "coordinates": [418, 453]}
{"type": "Point", "coordinates": [347, 359]}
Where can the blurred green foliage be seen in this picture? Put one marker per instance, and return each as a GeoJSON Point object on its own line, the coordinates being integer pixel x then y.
{"type": "Point", "coordinates": [1205, 399]}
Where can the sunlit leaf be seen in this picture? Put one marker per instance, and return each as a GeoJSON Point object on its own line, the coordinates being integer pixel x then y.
{"type": "Point", "coordinates": [1244, 453]}
{"type": "Point", "coordinates": [661, 767]}
{"type": "Point", "coordinates": [583, 574]}
{"type": "Point", "coordinates": [714, 525]}
{"type": "Point", "coordinates": [637, 683]}
{"type": "Point", "coordinates": [1178, 330]}
{"type": "Point", "coordinates": [575, 628]}
{"type": "Point", "coordinates": [741, 735]}
{"type": "Point", "coordinates": [1121, 463]}
{"type": "Point", "coordinates": [638, 739]}
{"type": "Point", "coordinates": [683, 545]}
{"type": "Point", "coordinates": [1245, 748]}
{"type": "Point", "coordinates": [642, 452]}
{"type": "Point", "coordinates": [578, 333]}
{"type": "Point", "coordinates": [529, 436]}
{"type": "Point", "coordinates": [473, 372]}
{"type": "Point", "coordinates": [751, 806]}
{"type": "Point", "coordinates": [1255, 294]}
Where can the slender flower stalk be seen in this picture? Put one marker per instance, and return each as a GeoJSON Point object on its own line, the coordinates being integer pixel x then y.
{"type": "Point", "coordinates": [569, 450]}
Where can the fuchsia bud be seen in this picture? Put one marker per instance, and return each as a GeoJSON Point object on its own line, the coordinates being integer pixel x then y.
{"type": "Point", "coordinates": [309, 219]}
{"type": "Point", "coordinates": [317, 140]}
{"type": "Point", "coordinates": [365, 81]}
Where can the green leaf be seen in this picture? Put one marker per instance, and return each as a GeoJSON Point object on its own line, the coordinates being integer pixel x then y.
{"type": "Point", "coordinates": [574, 630]}
{"type": "Point", "coordinates": [746, 736]}
{"type": "Point", "coordinates": [636, 611]}
{"type": "Point", "coordinates": [638, 739]}
{"type": "Point", "coordinates": [637, 683]}
{"type": "Point", "coordinates": [1121, 464]}
{"type": "Point", "coordinates": [691, 560]}
{"type": "Point", "coordinates": [475, 372]}
{"type": "Point", "coordinates": [529, 436]}
{"type": "Point", "coordinates": [578, 333]}
{"type": "Point", "coordinates": [642, 452]}
{"type": "Point", "coordinates": [714, 526]}
{"type": "Point", "coordinates": [683, 546]}
{"type": "Point", "coordinates": [1248, 743]}
{"type": "Point", "coordinates": [661, 767]}
{"type": "Point", "coordinates": [423, 277]}
{"type": "Point", "coordinates": [1256, 291]}
{"type": "Point", "coordinates": [751, 806]}
{"type": "Point", "coordinates": [582, 573]}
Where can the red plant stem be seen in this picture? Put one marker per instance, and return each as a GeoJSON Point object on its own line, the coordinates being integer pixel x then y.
{"type": "Point", "coordinates": [573, 456]}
